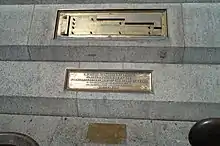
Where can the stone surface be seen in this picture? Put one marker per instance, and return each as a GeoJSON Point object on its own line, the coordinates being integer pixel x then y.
{"type": "Point", "coordinates": [69, 132]}
{"type": "Point", "coordinates": [14, 53]}
{"type": "Point", "coordinates": [43, 25]}
{"type": "Point", "coordinates": [101, 1]}
{"type": "Point", "coordinates": [195, 83]}
{"type": "Point", "coordinates": [39, 128]}
{"type": "Point", "coordinates": [77, 53]}
{"type": "Point", "coordinates": [19, 78]}
{"type": "Point", "coordinates": [106, 54]}
{"type": "Point", "coordinates": [112, 108]}
{"type": "Point", "coordinates": [38, 106]}
{"type": "Point", "coordinates": [152, 55]}
{"type": "Point", "coordinates": [202, 25]}
{"type": "Point", "coordinates": [72, 131]}
{"type": "Point", "coordinates": [192, 55]}
{"type": "Point", "coordinates": [185, 111]}
{"type": "Point", "coordinates": [202, 55]}
{"type": "Point", "coordinates": [53, 53]}
{"type": "Point", "coordinates": [100, 65]}
{"type": "Point", "coordinates": [183, 83]}
{"type": "Point", "coordinates": [14, 24]}
{"type": "Point", "coordinates": [13, 2]}
{"type": "Point", "coordinates": [171, 82]}
{"type": "Point", "coordinates": [37, 79]}
{"type": "Point", "coordinates": [52, 77]}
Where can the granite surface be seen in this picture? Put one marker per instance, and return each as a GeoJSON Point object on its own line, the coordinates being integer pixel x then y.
{"type": "Point", "coordinates": [44, 19]}
{"type": "Point", "coordinates": [15, 23]}
{"type": "Point", "coordinates": [39, 106]}
{"type": "Point", "coordinates": [39, 128]}
{"type": "Point", "coordinates": [171, 82]}
{"type": "Point", "coordinates": [14, 53]}
{"type": "Point", "coordinates": [164, 55]}
{"type": "Point", "coordinates": [27, 33]}
{"type": "Point", "coordinates": [175, 87]}
{"type": "Point", "coordinates": [12, 2]}
{"type": "Point", "coordinates": [37, 79]}
{"type": "Point", "coordinates": [154, 54]}
{"type": "Point", "coordinates": [201, 55]}
{"type": "Point", "coordinates": [201, 25]}
{"type": "Point", "coordinates": [77, 53]}
{"type": "Point", "coordinates": [184, 82]}
{"type": "Point", "coordinates": [181, 111]}
{"type": "Point", "coordinates": [181, 91]}
{"type": "Point", "coordinates": [106, 108]}
{"type": "Point", "coordinates": [107, 54]}
{"type": "Point", "coordinates": [57, 131]}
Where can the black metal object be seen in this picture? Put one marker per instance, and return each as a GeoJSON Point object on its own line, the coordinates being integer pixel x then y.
{"type": "Point", "coordinates": [16, 139]}
{"type": "Point", "coordinates": [205, 133]}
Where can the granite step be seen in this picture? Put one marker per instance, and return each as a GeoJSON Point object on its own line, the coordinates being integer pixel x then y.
{"type": "Point", "coordinates": [33, 65]}
{"type": "Point", "coordinates": [27, 34]}
{"type": "Point", "coordinates": [68, 131]}
{"type": "Point", "coordinates": [163, 55]}
{"type": "Point", "coordinates": [180, 91]}
{"type": "Point", "coordinates": [23, 2]}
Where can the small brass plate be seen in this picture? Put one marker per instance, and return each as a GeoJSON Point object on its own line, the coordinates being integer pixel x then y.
{"type": "Point", "coordinates": [111, 23]}
{"type": "Point", "coordinates": [109, 80]}
{"type": "Point", "coordinates": [107, 133]}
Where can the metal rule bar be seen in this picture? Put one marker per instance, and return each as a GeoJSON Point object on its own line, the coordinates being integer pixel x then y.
{"type": "Point", "coordinates": [111, 23]}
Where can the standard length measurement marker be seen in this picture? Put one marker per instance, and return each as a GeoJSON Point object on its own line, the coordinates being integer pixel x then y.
{"type": "Point", "coordinates": [111, 23]}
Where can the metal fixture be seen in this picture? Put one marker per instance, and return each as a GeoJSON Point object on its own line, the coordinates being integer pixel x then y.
{"type": "Point", "coordinates": [109, 80]}
{"type": "Point", "coordinates": [16, 139]}
{"type": "Point", "coordinates": [111, 23]}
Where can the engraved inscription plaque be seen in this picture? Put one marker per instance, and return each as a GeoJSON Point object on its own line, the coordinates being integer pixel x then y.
{"type": "Point", "coordinates": [109, 80]}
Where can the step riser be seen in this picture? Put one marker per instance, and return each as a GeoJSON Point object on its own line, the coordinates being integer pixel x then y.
{"type": "Point", "coordinates": [174, 55]}
{"type": "Point", "coordinates": [99, 108]}
{"type": "Point", "coordinates": [12, 2]}
{"type": "Point", "coordinates": [29, 35]}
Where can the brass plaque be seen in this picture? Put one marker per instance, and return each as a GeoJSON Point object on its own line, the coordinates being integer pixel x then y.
{"type": "Point", "coordinates": [109, 80]}
{"type": "Point", "coordinates": [111, 23]}
{"type": "Point", "coordinates": [107, 133]}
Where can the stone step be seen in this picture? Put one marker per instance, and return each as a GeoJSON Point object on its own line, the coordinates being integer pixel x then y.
{"type": "Point", "coordinates": [68, 131]}
{"type": "Point", "coordinates": [35, 25]}
{"type": "Point", "coordinates": [180, 92]}
{"type": "Point", "coordinates": [13, 2]}
{"type": "Point", "coordinates": [164, 55]}
{"type": "Point", "coordinates": [27, 33]}
{"type": "Point", "coordinates": [107, 108]}
{"type": "Point", "coordinates": [186, 89]}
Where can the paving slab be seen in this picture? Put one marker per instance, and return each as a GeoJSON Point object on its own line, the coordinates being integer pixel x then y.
{"type": "Point", "coordinates": [15, 24]}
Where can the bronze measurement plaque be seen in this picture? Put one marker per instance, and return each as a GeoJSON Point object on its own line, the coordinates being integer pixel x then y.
{"type": "Point", "coordinates": [109, 80]}
{"type": "Point", "coordinates": [111, 23]}
{"type": "Point", "coordinates": [107, 133]}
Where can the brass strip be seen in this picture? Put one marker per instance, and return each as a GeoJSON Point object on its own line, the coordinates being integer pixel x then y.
{"type": "Point", "coordinates": [111, 23]}
{"type": "Point", "coordinates": [109, 80]}
{"type": "Point", "coordinates": [107, 133]}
